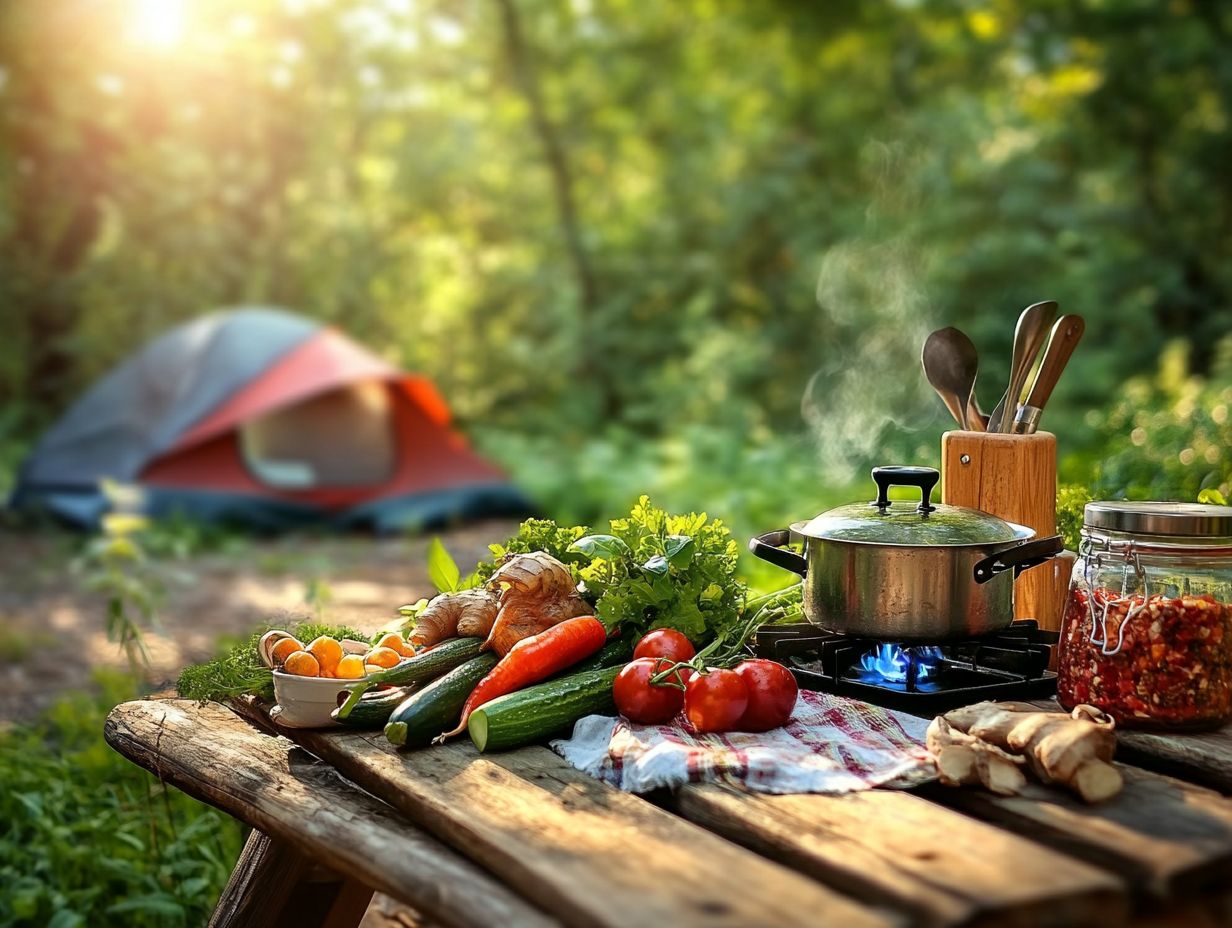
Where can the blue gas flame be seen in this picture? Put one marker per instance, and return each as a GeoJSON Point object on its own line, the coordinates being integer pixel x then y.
{"type": "Point", "coordinates": [890, 662]}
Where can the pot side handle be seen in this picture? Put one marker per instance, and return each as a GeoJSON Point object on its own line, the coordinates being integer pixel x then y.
{"type": "Point", "coordinates": [1019, 558]}
{"type": "Point", "coordinates": [770, 547]}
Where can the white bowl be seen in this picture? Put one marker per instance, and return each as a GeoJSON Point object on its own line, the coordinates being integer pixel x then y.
{"type": "Point", "coordinates": [306, 702]}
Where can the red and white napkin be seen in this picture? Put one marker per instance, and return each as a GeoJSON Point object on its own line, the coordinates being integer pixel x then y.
{"type": "Point", "coordinates": [831, 745]}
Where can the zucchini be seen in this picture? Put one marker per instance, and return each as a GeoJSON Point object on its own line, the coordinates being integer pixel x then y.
{"type": "Point", "coordinates": [436, 708]}
{"type": "Point", "coordinates": [373, 709]}
{"type": "Point", "coordinates": [418, 669]}
{"type": "Point", "coordinates": [541, 711]}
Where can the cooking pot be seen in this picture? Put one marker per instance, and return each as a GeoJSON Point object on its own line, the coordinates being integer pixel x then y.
{"type": "Point", "coordinates": [898, 571]}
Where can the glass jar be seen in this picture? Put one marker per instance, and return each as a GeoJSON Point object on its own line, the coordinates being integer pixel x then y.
{"type": "Point", "coordinates": [1147, 630]}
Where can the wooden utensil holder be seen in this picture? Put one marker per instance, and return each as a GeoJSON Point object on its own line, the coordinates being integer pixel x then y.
{"type": "Point", "coordinates": [1014, 477]}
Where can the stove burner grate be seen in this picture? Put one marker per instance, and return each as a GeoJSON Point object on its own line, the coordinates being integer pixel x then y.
{"type": "Point", "coordinates": [1008, 664]}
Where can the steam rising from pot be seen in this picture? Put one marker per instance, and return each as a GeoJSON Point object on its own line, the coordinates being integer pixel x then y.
{"type": "Point", "coordinates": [869, 399]}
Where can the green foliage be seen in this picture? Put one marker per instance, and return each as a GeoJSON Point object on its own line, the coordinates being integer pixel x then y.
{"type": "Point", "coordinates": [1071, 502]}
{"type": "Point", "coordinates": [1166, 436]}
{"type": "Point", "coordinates": [239, 670]}
{"type": "Point", "coordinates": [115, 566]}
{"type": "Point", "coordinates": [90, 839]}
{"type": "Point", "coordinates": [657, 570]}
{"type": "Point", "coordinates": [899, 166]}
{"type": "Point", "coordinates": [652, 570]}
{"type": "Point", "coordinates": [757, 484]}
{"type": "Point", "coordinates": [538, 535]}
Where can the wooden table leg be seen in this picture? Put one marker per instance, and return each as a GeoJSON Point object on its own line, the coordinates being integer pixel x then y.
{"type": "Point", "coordinates": [274, 884]}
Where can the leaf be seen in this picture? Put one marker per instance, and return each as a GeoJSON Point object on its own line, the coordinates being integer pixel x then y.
{"type": "Point", "coordinates": [657, 565]}
{"type": "Point", "coordinates": [442, 569]}
{"type": "Point", "coordinates": [65, 918]}
{"type": "Point", "coordinates": [678, 549]}
{"type": "Point", "coordinates": [608, 547]}
{"type": "Point", "coordinates": [131, 840]}
{"type": "Point", "coordinates": [151, 903]}
{"type": "Point", "coordinates": [1212, 496]}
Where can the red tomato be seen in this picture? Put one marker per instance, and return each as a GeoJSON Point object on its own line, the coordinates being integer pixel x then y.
{"type": "Point", "coordinates": [716, 700]}
{"type": "Point", "coordinates": [665, 642]}
{"type": "Point", "coordinates": [772, 695]}
{"type": "Point", "coordinates": [640, 702]}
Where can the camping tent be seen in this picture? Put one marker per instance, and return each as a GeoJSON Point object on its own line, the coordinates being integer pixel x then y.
{"type": "Point", "coordinates": [261, 417]}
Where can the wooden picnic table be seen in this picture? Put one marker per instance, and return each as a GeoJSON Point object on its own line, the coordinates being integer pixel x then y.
{"type": "Point", "coordinates": [522, 838]}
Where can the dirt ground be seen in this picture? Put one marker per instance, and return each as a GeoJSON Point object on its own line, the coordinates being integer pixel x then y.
{"type": "Point", "coordinates": [52, 626]}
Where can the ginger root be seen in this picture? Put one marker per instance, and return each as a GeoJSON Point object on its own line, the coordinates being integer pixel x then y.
{"type": "Point", "coordinates": [536, 591]}
{"type": "Point", "coordinates": [1073, 750]}
{"type": "Point", "coordinates": [469, 613]}
{"type": "Point", "coordinates": [962, 759]}
{"type": "Point", "coordinates": [528, 594]}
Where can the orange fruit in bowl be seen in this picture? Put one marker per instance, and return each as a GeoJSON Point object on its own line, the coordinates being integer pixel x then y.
{"type": "Point", "coordinates": [397, 643]}
{"type": "Point", "coordinates": [327, 651]}
{"type": "Point", "coordinates": [284, 649]}
{"type": "Point", "coordinates": [302, 664]}
{"type": "Point", "coordinates": [382, 657]}
{"type": "Point", "coordinates": [351, 667]}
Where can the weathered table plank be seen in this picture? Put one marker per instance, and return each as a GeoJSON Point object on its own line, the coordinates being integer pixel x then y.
{"type": "Point", "coordinates": [1200, 757]}
{"type": "Point", "coordinates": [213, 755]}
{"type": "Point", "coordinates": [581, 849]}
{"type": "Point", "coordinates": [1166, 837]}
{"type": "Point", "coordinates": [940, 866]}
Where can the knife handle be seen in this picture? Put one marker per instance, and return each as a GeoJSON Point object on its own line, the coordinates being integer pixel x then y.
{"type": "Point", "coordinates": [1061, 344]}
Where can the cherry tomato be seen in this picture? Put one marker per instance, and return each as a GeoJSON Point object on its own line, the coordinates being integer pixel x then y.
{"type": "Point", "coordinates": [665, 642]}
{"type": "Point", "coordinates": [640, 702]}
{"type": "Point", "coordinates": [772, 695]}
{"type": "Point", "coordinates": [715, 700]}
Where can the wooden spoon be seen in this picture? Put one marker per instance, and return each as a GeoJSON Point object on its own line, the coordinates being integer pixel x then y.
{"type": "Point", "coordinates": [951, 364]}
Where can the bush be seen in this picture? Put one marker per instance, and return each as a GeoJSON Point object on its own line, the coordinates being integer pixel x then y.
{"type": "Point", "coordinates": [90, 839]}
{"type": "Point", "coordinates": [1167, 436]}
{"type": "Point", "coordinates": [752, 484]}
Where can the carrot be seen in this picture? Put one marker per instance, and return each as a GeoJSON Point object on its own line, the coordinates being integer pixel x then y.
{"type": "Point", "coordinates": [534, 659]}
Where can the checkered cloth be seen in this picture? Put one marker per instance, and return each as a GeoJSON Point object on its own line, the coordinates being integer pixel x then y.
{"type": "Point", "coordinates": [831, 745]}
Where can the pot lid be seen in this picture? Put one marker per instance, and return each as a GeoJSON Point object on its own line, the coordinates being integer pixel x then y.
{"type": "Point", "coordinates": [1176, 520]}
{"type": "Point", "coordinates": [908, 523]}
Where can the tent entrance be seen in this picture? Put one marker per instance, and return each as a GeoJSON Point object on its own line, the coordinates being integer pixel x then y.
{"type": "Point", "coordinates": [342, 438]}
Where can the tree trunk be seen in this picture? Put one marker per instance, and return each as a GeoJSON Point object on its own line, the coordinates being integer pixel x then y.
{"type": "Point", "coordinates": [588, 362]}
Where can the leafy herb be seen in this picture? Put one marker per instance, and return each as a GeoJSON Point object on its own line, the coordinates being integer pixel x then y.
{"type": "Point", "coordinates": [656, 570]}
{"type": "Point", "coordinates": [239, 670]}
{"type": "Point", "coordinates": [538, 535]}
{"type": "Point", "coordinates": [442, 568]}
{"type": "Point", "coordinates": [650, 570]}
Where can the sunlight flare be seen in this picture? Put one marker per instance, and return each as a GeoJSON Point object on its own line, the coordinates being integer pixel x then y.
{"type": "Point", "coordinates": [159, 23]}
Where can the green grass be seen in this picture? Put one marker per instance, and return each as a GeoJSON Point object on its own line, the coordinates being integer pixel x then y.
{"type": "Point", "coordinates": [87, 838]}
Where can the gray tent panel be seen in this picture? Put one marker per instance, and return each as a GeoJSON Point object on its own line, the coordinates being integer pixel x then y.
{"type": "Point", "coordinates": [142, 408]}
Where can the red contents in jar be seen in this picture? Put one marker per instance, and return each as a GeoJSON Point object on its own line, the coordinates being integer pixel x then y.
{"type": "Point", "coordinates": [1174, 666]}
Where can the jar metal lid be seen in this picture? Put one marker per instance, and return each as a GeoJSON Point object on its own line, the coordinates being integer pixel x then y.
{"type": "Point", "coordinates": [1168, 520]}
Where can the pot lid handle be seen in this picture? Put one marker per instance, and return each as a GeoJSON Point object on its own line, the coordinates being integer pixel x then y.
{"type": "Point", "coordinates": [905, 476]}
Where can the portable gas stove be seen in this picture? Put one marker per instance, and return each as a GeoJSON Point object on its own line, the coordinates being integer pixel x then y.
{"type": "Point", "coordinates": [920, 679]}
